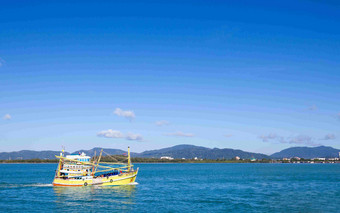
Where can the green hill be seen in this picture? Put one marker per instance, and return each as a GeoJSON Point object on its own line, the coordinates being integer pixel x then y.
{"type": "Point", "coordinates": [308, 152]}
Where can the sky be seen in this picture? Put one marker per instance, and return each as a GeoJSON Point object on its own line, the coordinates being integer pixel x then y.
{"type": "Point", "coordinates": [259, 76]}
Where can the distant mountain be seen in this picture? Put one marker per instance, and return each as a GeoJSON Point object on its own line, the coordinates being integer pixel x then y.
{"type": "Point", "coordinates": [105, 151]}
{"type": "Point", "coordinates": [190, 151]}
{"type": "Point", "coordinates": [180, 151]}
{"type": "Point", "coordinates": [186, 151]}
{"type": "Point", "coordinates": [29, 154]}
{"type": "Point", "coordinates": [308, 152]}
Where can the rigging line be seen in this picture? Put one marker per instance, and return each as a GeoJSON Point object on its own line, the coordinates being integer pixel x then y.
{"type": "Point", "coordinates": [111, 156]}
{"type": "Point", "coordinates": [113, 163]}
{"type": "Point", "coordinates": [125, 159]}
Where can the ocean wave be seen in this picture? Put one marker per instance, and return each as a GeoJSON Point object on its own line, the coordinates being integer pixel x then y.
{"type": "Point", "coordinates": [4, 185]}
{"type": "Point", "coordinates": [134, 183]}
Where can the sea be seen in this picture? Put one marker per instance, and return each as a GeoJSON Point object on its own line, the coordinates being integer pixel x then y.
{"type": "Point", "coordinates": [179, 188]}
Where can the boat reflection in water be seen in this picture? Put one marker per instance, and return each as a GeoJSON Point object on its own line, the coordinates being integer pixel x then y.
{"type": "Point", "coordinates": [123, 197]}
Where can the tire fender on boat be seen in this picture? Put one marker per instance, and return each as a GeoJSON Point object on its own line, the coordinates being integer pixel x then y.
{"type": "Point", "coordinates": [111, 181]}
{"type": "Point", "coordinates": [85, 184]}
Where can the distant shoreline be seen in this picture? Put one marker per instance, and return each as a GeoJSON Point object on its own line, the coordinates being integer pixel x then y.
{"type": "Point", "coordinates": [25, 163]}
{"type": "Point", "coordinates": [136, 160]}
{"type": "Point", "coordinates": [223, 162]}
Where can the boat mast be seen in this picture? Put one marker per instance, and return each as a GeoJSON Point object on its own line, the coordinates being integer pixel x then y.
{"type": "Point", "coordinates": [129, 160]}
{"type": "Point", "coordinates": [60, 163]}
{"type": "Point", "coordinates": [97, 162]}
{"type": "Point", "coordinates": [94, 162]}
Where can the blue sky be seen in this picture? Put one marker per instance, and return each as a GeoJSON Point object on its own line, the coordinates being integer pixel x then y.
{"type": "Point", "coordinates": [258, 76]}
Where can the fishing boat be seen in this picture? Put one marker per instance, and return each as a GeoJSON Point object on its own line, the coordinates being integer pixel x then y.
{"type": "Point", "coordinates": [81, 170]}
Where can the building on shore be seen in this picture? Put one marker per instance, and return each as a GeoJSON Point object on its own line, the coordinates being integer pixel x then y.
{"type": "Point", "coordinates": [167, 158]}
{"type": "Point", "coordinates": [321, 159]}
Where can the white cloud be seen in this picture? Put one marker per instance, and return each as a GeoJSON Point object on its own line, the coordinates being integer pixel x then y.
{"type": "Point", "coordinates": [134, 137]}
{"type": "Point", "coordinates": [110, 134]}
{"type": "Point", "coordinates": [117, 134]}
{"type": "Point", "coordinates": [162, 123]}
{"type": "Point", "coordinates": [2, 62]}
{"type": "Point", "coordinates": [329, 137]}
{"type": "Point", "coordinates": [300, 139]}
{"type": "Point", "coordinates": [180, 134]}
{"type": "Point", "coordinates": [7, 117]}
{"type": "Point", "coordinates": [313, 108]}
{"type": "Point", "coordinates": [127, 114]}
{"type": "Point", "coordinates": [266, 138]}
{"type": "Point", "coordinates": [228, 135]}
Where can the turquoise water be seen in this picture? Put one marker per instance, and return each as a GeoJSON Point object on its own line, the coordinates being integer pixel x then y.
{"type": "Point", "coordinates": [180, 188]}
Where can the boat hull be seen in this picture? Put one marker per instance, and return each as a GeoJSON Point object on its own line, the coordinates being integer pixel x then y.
{"type": "Point", "coordinates": [121, 179]}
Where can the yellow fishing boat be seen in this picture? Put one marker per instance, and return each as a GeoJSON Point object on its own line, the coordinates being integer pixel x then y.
{"type": "Point", "coordinates": [78, 170]}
